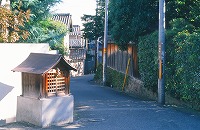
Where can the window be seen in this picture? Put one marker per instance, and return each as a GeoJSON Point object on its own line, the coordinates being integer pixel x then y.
{"type": "Point", "coordinates": [55, 82]}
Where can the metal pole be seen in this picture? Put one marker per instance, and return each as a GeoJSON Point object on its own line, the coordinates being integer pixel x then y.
{"type": "Point", "coordinates": [95, 55]}
{"type": "Point", "coordinates": [127, 68]}
{"type": "Point", "coordinates": [161, 53]}
{"type": "Point", "coordinates": [105, 42]}
{"type": "Point", "coordinates": [98, 50]}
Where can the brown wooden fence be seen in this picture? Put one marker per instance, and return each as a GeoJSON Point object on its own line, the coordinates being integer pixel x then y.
{"type": "Point", "coordinates": [118, 59]}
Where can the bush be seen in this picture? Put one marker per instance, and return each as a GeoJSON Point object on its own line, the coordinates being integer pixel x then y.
{"type": "Point", "coordinates": [182, 77]}
{"type": "Point", "coordinates": [182, 68]}
{"type": "Point", "coordinates": [98, 77]}
{"type": "Point", "coordinates": [148, 60]}
{"type": "Point", "coordinates": [60, 47]}
{"type": "Point", "coordinates": [187, 61]}
{"type": "Point", "coordinates": [114, 77]}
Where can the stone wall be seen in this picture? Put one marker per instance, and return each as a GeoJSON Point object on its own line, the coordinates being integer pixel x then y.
{"type": "Point", "coordinates": [135, 87]}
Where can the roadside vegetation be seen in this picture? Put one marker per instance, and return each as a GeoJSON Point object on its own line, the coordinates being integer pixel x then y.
{"type": "Point", "coordinates": [130, 21]}
{"type": "Point", "coordinates": [29, 21]}
{"type": "Point", "coordinates": [136, 22]}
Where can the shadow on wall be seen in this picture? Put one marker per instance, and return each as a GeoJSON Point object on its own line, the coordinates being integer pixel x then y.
{"type": "Point", "coordinates": [5, 89]}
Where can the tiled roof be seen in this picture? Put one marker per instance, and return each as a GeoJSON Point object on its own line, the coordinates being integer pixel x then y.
{"type": "Point", "coordinates": [40, 63]}
{"type": "Point", "coordinates": [65, 18]}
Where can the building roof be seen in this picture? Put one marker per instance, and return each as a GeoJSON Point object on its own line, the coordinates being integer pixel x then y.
{"type": "Point", "coordinates": [40, 63]}
{"type": "Point", "coordinates": [64, 18]}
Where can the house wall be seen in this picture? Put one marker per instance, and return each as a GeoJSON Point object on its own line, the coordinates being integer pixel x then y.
{"type": "Point", "coordinates": [76, 59]}
{"type": "Point", "coordinates": [12, 55]}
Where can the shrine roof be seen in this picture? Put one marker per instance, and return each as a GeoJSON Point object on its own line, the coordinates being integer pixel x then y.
{"type": "Point", "coordinates": [40, 63]}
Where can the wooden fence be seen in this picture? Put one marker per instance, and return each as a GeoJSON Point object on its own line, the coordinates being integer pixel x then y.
{"type": "Point", "coordinates": [118, 59]}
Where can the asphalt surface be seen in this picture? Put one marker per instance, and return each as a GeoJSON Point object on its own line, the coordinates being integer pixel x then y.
{"type": "Point", "coordinates": [102, 108]}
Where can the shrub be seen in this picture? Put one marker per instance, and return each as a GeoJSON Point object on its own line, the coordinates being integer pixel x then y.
{"type": "Point", "coordinates": [182, 68]}
{"type": "Point", "coordinates": [187, 61]}
{"type": "Point", "coordinates": [113, 77]}
{"type": "Point", "coordinates": [148, 55]}
{"type": "Point", "coordinates": [98, 77]}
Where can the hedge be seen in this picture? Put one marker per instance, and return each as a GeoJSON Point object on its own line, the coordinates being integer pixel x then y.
{"type": "Point", "coordinates": [114, 77]}
{"type": "Point", "coordinates": [148, 58]}
{"type": "Point", "coordinates": [182, 68]}
{"type": "Point", "coordinates": [182, 61]}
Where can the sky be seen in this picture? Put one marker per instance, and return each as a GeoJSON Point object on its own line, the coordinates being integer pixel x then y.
{"type": "Point", "coordinates": [76, 8]}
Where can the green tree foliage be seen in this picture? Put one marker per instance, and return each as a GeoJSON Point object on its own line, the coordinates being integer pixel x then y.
{"type": "Point", "coordinates": [94, 24]}
{"type": "Point", "coordinates": [130, 19]}
{"type": "Point", "coordinates": [183, 79]}
{"type": "Point", "coordinates": [39, 11]}
{"type": "Point", "coordinates": [40, 26]}
{"type": "Point", "coordinates": [89, 27]}
{"type": "Point", "coordinates": [186, 9]}
{"type": "Point", "coordinates": [12, 24]}
{"type": "Point", "coordinates": [182, 61]}
{"type": "Point", "coordinates": [50, 31]}
{"type": "Point", "coordinates": [39, 8]}
{"type": "Point", "coordinates": [53, 33]}
{"type": "Point", "coordinates": [148, 55]}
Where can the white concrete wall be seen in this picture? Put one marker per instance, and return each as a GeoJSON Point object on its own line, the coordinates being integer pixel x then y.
{"type": "Point", "coordinates": [47, 111]}
{"type": "Point", "coordinates": [12, 55]}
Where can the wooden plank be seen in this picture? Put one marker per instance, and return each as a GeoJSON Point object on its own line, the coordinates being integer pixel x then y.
{"type": "Point", "coordinates": [67, 82]}
{"type": "Point", "coordinates": [23, 83]}
{"type": "Point", "coordinates": [57, 85]}
{"type": "Point", "coordinates": [46, 85]}
{"type": "Point", "coordinates": [43, 86]}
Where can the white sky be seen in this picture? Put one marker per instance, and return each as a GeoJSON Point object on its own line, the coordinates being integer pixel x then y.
{"type": "Point", "coordinates": [76, 8]}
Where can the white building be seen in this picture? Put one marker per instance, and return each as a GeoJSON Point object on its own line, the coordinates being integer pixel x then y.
{"type": "Point", "coordinates": [74, 42]}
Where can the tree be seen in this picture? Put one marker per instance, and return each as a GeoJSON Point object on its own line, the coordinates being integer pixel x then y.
{"type": "Point", "coordinates": [130, 19]}
{"type": "Point", "coordinates": [186, 9]}
{"type": "Point", "coordinates": [88, 30]}
{"type": "Point", "coordinates": [12, 24]}
{"type": "Point", "coordinates": [94, 24]}
{"type": "Point", "coordinates": [53, 33]}
{"type": "Point", "coordinates": [40, 26]}
{"type": "Point", "coordinates": [39, 11]}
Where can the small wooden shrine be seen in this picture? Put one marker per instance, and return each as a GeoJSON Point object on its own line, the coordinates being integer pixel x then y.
{"type": "Point", "coordinates": [45, 84]}
{"type": "Point", "coordinates": [44, 75]}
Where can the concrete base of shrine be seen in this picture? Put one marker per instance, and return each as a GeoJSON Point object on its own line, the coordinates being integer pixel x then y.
{"type": "Point", "coordinates": [45, 112]}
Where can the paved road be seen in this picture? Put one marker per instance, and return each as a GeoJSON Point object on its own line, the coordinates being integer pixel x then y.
{"type": "Point", "coordinates": [102, 108]}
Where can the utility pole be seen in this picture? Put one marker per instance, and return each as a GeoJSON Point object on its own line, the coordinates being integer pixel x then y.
{"type": "Point", "coordinates": [161, 53]}
{"type": "Point", "coordinates": [96, 51]}
{"type": "Point", "coordinates": [105, 42]}
{"type": "Point", "coordinates": [98, 41]}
